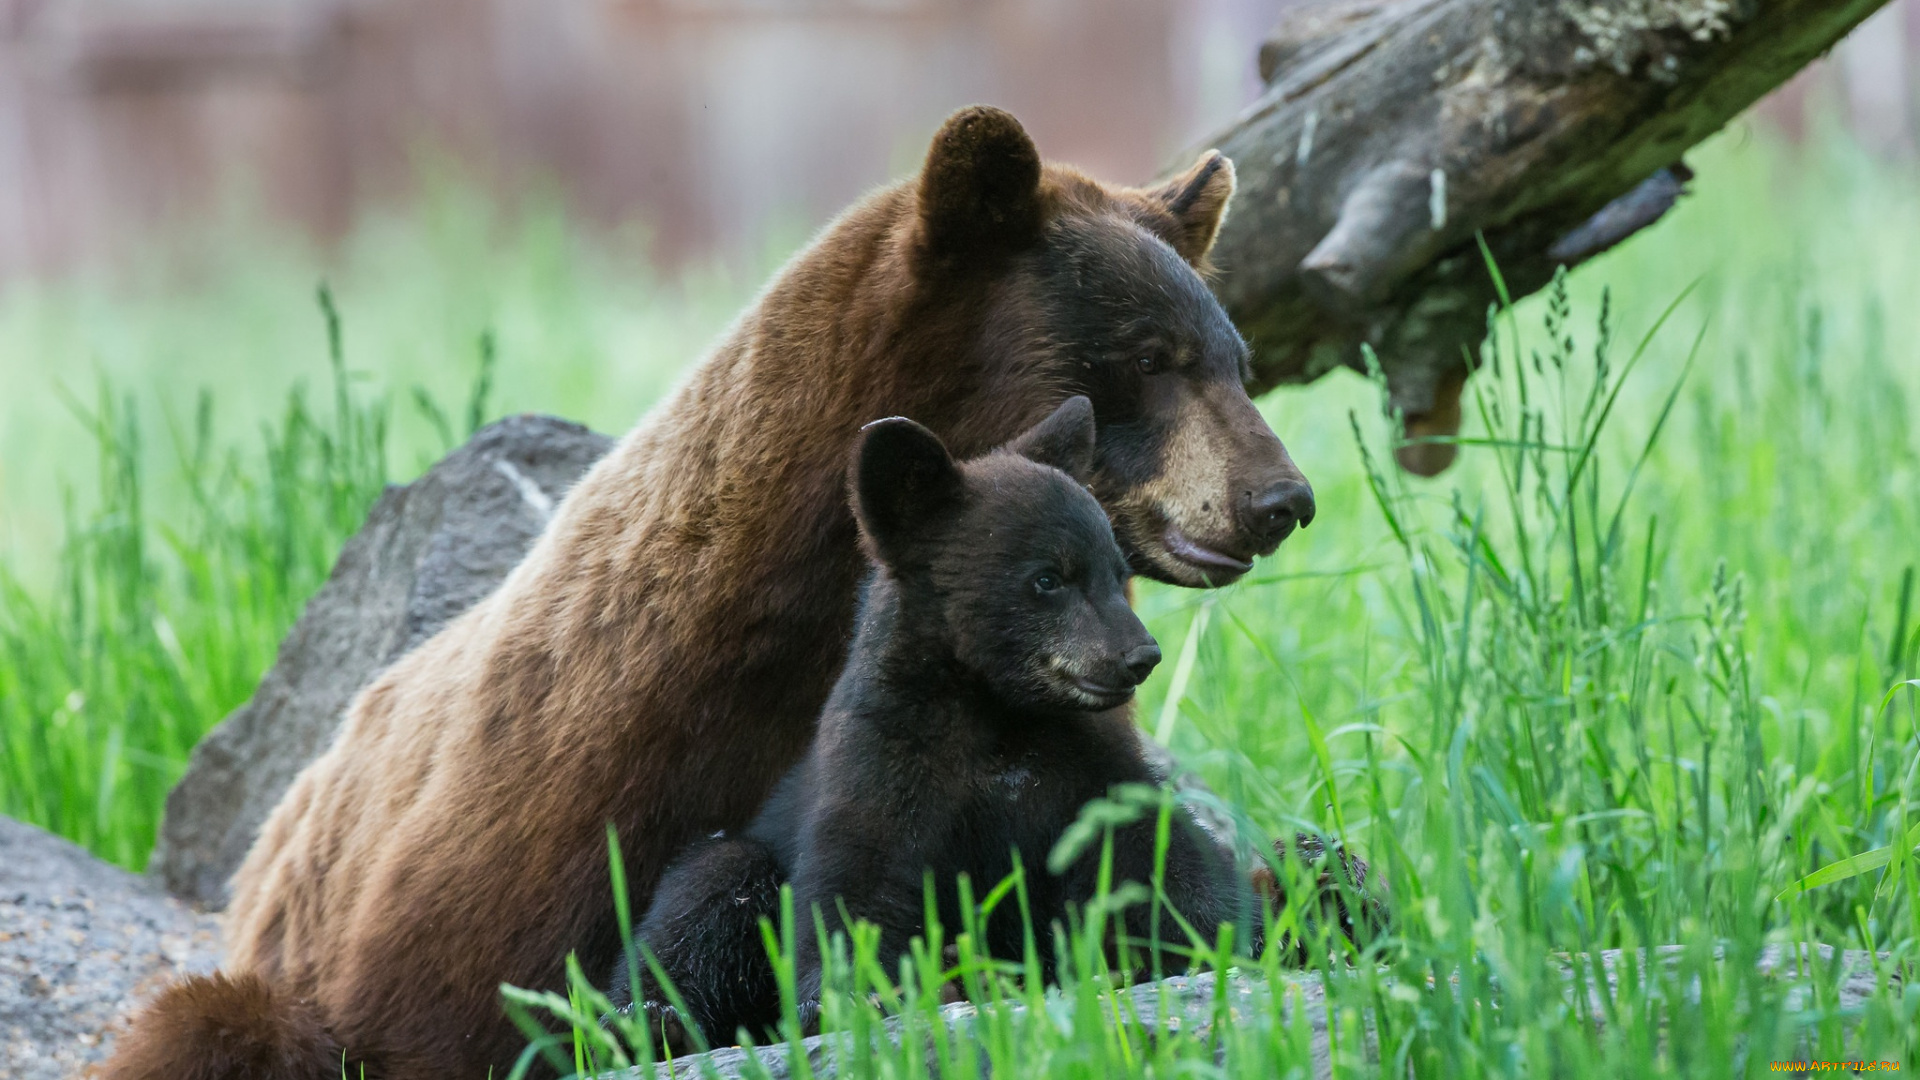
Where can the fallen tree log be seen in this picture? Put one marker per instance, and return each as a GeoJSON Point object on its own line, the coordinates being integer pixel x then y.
{"type": "Point", "coordinates": [1189, 1007]}
{"type": "Point", "coordinates": [1393, 133]}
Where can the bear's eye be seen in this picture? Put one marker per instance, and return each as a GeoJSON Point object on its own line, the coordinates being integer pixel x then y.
{"type": "Point", "coordinates": [1047, 582]}
{"type": "Point", "coordinates": [1148, 364]}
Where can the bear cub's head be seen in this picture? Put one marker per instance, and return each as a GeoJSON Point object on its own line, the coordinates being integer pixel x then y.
{"type": "Point", "coordinates": [1006, 559]}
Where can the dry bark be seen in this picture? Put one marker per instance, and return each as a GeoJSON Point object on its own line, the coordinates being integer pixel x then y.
{"type": "Point", "coordinates": [1392, 132]}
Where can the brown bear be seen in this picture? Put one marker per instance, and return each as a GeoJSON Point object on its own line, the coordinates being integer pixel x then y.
{"type": "Point", "coordinates": [660, 657]}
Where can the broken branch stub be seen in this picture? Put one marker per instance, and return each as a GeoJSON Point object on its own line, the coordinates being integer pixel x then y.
{"type": "Point", "coordinates": [1394, 132]}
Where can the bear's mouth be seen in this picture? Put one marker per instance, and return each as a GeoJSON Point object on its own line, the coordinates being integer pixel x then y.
{"type": "Point", "coordinates": [1098, 694]}
{"type": "Point", "coordinates": [1219, 566]}
{"type": "Point", "coordinates": [1159, 549]}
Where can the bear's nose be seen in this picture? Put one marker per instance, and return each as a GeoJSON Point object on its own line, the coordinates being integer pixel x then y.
{"type": "Point", "coordinates": [1272, 514]}
{"type": "Point", "coordinates": [1141, 661]}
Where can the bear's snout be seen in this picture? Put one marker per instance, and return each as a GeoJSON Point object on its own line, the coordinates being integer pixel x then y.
{"type": "Point", "coordinates": [1141, 661]}
{"type": "Point", "coordinates": [1270, 515]}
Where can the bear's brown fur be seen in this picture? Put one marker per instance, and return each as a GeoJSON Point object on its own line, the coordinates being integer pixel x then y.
{"type": "Point", "coordinates": [660, 657]}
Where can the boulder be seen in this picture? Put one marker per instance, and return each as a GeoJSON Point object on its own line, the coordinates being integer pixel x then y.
{"type": "Point", "coordinates": [81, 940]}
{"type": "Point", "coordinates": [428, 551]}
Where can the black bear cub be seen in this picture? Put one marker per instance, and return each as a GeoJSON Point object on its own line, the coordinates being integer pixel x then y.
{"type": "Point", "coordinates": [981, 707]}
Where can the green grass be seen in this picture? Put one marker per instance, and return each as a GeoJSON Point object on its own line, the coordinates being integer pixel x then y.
{"type": "Point", "coordinates": [1622, 677]}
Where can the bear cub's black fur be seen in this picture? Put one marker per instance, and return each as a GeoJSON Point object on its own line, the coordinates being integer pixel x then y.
{"type": "Point", "coordinates": [981, 707]}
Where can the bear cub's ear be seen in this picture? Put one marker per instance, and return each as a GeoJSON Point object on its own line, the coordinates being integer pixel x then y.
{"type": "Point", "coordinates": [1196, 202]}
{"type": "Point", "coordinates": [1063, 440]}
{"type": "Point", "coordinates": [980, 188]}
{"type": "Point", "coordinates": [903, 478]}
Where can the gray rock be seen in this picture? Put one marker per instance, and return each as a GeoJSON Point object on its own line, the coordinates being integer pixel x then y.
{"type": "Point", "coordinates": [80, 940]}
{"type": "Point", "coordinates": [428, 551]}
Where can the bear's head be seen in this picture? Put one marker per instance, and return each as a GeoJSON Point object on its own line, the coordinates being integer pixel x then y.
{"type": "Point", "coordinates": [1006, 559]}
{"type": "Point", "coordinates": [1079, 287]}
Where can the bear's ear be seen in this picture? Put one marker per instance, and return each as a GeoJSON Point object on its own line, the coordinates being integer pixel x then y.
{"type": "Point", "coordinates": [980, 187]}
{"type": "Point", "coordinates": [1063, 440]}
{"type": "Point", "coordinates": [903, 478]}
{"type": "Point", "coordinates": [1196, 204]}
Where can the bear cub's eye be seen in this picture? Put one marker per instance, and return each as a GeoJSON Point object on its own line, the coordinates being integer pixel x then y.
{"type": "Point", "coordinates": [1149, 364]}
{"type": "Point", "coordinates": [1046, 582]}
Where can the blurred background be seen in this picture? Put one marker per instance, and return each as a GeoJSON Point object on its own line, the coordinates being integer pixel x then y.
{"type": "Point", "coordinates": [696, 123]}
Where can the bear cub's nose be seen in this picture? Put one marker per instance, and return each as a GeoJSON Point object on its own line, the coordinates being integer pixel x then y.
{"type": "Point", "coordinates": [1141, 661]}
